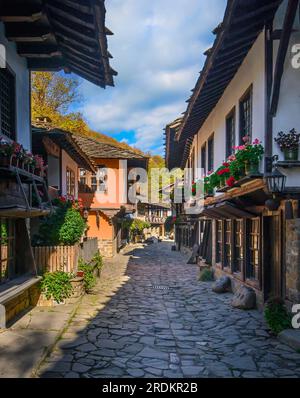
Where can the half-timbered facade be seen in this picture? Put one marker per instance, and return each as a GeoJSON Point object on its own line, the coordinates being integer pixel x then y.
{"type": "Point", "coordinates": [50, 35]}
{"type": "Point", "coordinates": [249, 86]}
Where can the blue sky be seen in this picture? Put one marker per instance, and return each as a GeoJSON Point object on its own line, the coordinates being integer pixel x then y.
{"type": "Point", "coordinates": [158, 50]}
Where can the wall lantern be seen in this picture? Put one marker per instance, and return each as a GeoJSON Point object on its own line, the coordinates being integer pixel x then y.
{"type": "Point", "coordinates": [85, 214]}
{"type": "Point", "coordinates": [275, 181]}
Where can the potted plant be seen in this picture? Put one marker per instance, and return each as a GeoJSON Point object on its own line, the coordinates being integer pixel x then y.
{"type": "Point", "coordinates": [224, 173]}
{"type": "Point", "coordinates": [250, 155]}
{"type": "Point", "coordinates": [208, 189]}
{"type": "Point", "coordinates": [289, 144]}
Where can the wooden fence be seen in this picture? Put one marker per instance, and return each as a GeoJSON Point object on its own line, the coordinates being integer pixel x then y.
{"type": "Point", "coordinates": [64, 258]}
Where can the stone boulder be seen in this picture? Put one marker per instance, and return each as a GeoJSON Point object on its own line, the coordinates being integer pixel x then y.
{"type": "Point", "coordinates": [244, 298]}
{"type": "Point", "coordinates": [222, 285]}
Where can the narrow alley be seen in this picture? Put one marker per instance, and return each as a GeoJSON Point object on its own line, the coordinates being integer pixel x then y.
{"type": "Point", "coordinates": [151, 317]}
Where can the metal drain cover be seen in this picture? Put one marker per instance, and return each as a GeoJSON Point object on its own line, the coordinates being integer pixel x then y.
{"type": "Point", "coordinates": [160, 287]}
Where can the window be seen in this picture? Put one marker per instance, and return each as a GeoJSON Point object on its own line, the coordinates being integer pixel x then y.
{"type": "Point", "coordinates": [254, 249]}
{"type": "Point", "coordinates": [7, 249]}
{"type": "Point", "coordinates": [193, 165]}
{"type": "Point", "coordinates": [93, 183]}
{"type": "Point", "coordinates": [230, 133]}
{"type": "Point", "coordinates": [102, 177]}
{"type": "Point", "coordinates": [238, 246]}
{"type": "Point", "coordinates": [70, 182]}
{"type": "Point", "coordinates": [219, 241]}
{"type": "Point", "coordinates": [227, 243]}
{"type": "Point", "coordinates": [7, 103]}
{"type": "Point", "coordinates": [246, 115]}
{"type": "Point", "coordinates": [203, 158]}
{"type": "Point", "coordinates": [210, 154]}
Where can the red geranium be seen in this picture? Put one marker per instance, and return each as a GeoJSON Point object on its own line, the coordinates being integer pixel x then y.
{"type": "Point", "coordinates": [223, 171]}
{"type": "Point", "coordinates": [231, 181]}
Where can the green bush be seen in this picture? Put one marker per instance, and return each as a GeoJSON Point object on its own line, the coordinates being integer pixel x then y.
{"type": "Point", "coordinates": [206, 275]}
{"type": "Point", "coordinates": [89, 269]}
{"type": "Point", "coordinates": [135, 226]}
{"type": "Point", "coordinates": [64, 226]}
{"type": "Point", "coordinates": [276, 315]}
{"type": "Point", "coordinates": [57, 285]}
{"type": "Point", "coordinates": [72, 228]}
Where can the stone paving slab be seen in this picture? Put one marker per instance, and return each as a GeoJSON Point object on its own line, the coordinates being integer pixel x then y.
{"type": "Point", "coordinates": [26, 342]}
{"type": "Point", "coordinates": [151, 317]}
{"type": "Point", "coordinates": [21, 350]}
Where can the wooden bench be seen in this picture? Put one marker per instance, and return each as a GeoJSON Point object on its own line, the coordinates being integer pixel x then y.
{"type": "Point", "coordinates": [11, 290]}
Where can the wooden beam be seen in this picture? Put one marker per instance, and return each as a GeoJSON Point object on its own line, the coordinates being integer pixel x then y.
{"type": "Point", "coordinates": [288, 23]}
{"type": "Point", "coordinates": [27, 32]}
{"type": "Point", "coordinates": [71, 14]}
{"type": "Point", "coordinates": [53, 64]}
{"type": "Point", "coordinates": [258, 11]}
{"type": "Point", "coordinates": [269, 81]}
{"type": "Point", "coordinates": [36, 49]}
{"type": "Point", "coordinates": [17, 15]}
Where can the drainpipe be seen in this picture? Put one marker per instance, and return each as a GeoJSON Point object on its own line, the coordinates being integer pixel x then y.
{"type": "Point", "coordinates": [269, 82]}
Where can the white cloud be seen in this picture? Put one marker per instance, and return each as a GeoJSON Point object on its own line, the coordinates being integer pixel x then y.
{"type": "Point", "coordinates": [157, 49]}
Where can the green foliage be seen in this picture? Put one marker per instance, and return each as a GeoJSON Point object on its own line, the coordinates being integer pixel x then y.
{"type": "Point", "coordinates": [135, 226]}
{"type": "Point", "coordinates": [276, 315]}
{"type": "Point", "coordinates": [89, 270]}
{"type": "Point", "coordinates": [72, 228]}
{"type": "Point", "coordinates": [57, 285]}
{"type": "Point", "coordinates": [206, 275]}
{"type": "Point", "coordinates": [3, 233]}
{"type": "Point", "coordinates": [64, 226]}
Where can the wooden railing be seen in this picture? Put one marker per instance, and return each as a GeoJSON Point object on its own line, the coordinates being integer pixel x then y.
{"type": "Point", "coordinates": [64, 258]}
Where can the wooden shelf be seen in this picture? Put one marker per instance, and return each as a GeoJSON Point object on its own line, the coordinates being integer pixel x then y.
{"type": "Point", "coordinates": [22, 212]}
{"type": "Point", "coordinates": [25, 176]}
{"type": "Point", "coordinates": [241, 182]}
{"type": "Point", "coordinates": [288, 164]}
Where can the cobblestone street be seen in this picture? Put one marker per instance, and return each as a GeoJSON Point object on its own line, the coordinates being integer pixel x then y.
{"type": "Point", "coordinates": [151, 317]}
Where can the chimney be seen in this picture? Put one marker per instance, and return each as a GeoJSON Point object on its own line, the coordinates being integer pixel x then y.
{"type": "Point", "coordinates": [44, 122]}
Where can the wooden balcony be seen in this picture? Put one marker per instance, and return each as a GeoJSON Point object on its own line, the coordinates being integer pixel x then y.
{"type": "Point", "coordinates": [23, 194]}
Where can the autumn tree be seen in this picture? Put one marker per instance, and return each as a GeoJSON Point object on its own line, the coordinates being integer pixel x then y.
{"type": "Point", "coordinates": [52, 95]}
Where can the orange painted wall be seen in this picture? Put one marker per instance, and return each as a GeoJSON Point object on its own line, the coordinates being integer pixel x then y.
{"type": "Point", "coordinates": [103, 231]}
{"type": "Point", "coordinates": [99, 200]}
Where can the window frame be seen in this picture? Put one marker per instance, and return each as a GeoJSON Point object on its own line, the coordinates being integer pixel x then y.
{"type": "Point", "coordinates": [242, 124]}
{"type": "Point", "coordinates": [256, 279]}
{"type": "Point", "coordinates": [203, 157]}
{"type": "Point", "coordinates": [238, 247]}
{"type": "Point", "coordinates": [210, 152]}
{"type": "Point", "coordinates": [227, 245]}
{"type": "Point", "coordinates": [70, 182]}
{"type": "Point", "coordinates": [219, 243]}
{"type": "Point", "coordinates": [230, 143]}
{"type": "Point", "coordinates": [13, 92]}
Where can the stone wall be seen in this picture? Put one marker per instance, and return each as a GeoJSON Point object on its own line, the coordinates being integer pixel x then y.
{"type": "Point", "coordinates": [107, 247]}
{"type": "Point", "coordinates": [293, 261]}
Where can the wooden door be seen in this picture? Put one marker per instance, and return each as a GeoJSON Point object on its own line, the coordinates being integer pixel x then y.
{"type": "Point", "coordinates": [272, 264]}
